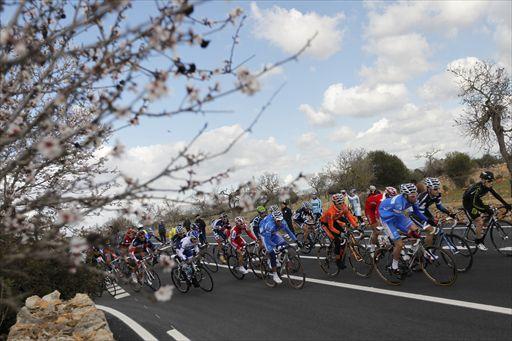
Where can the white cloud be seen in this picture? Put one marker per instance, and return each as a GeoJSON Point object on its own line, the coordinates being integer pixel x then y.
{"type": "Point", "coordinates": [342, 134]}
{"type": "Point", "coordinates": [290, 30]}
{"type": "Point", "coordinates": [376, 128]}
{"type": "Point", "coordinates": [443, 86]}
{"type": "Point", "coordinates": [316, 118]}
{"type": "Point", "coordinates": [307, 140]}
{"type": "Point", "coordinates": [363, 101]}
{"type": "Point", "coordinates": [399, 58]}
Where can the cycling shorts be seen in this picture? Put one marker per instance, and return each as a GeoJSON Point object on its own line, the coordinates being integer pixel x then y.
{"type": "Point", "coordinates": [472, 211]}
{"type": "Point", "coordinates": [395, 224]}
{"type": "Point", "coordinates": [273, 240]}
{"type": "Point", "coordinates": [238, 243]}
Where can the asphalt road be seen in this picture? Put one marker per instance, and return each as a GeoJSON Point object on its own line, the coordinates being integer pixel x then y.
{"type": "Point", "coordinates": [249, 310]}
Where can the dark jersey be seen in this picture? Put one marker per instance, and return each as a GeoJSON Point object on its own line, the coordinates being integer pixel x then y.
{"type": "Point", "coordinates": [472, 198]}
{"type": "Point", "coordinates": [425, 200]}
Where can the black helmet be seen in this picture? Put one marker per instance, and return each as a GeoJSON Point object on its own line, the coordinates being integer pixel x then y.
{"type": "Point", "coordinates": [487, 175]}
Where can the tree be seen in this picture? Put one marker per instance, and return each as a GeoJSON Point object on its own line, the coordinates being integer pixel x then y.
{"type": "Point", "coordinates": [269, 185]}
{"type": "Point", "coordinates": [486, 93]}
{"type": "Point", "coordinates": [433, 166]}
{"type": "Point", "coordinates": [487, 160]}
{"type": "Point", "coordinates": [319, 182]}
{"type": "Point", "coordinates": [388, 169]}
{"type": "Point", "coordinates": [350, 169]}
{"type": "Point", "coordinates": [458, 167]}
{"type": "Point", "coordinates": [71, 74]}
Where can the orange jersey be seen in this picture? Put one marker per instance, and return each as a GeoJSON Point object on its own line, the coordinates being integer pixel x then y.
{"type": "Point", "coordinates": [333, 214]}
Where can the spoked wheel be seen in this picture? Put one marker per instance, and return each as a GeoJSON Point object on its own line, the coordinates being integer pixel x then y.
{"type": "Point", "coordinates": [266, 272]}
{"type": "Point", "coordinates": [255, 265]}
{"type": "Point", "coordinates": [306, 248]}
{"type": "Point", "coordinates": [233, 268]}
{"type": "Point", "coordinates": [327, 261]}
{"type": "Point", "coordinates": [439, 266]}
{"type": "Point", "coordinates": [459, 250]}
{"type": "Point", "coordinates": [152, 280]}
{"type": "Point", "coordinates": [110, 283]}
{"type": "Point", "coordinates": [179, 280]}
{"type": "Point", "coordinates": [382, 263]}
{"type": "Point", "coordinates": [360, 259]}
{"type": "Point", "coordinates": [468, 234]}
{"type": "Point", "coordinates": [294, 272]}
{"type": "Point", "coordinates": [218, 255]}
{"type": "Point", "coordinates": [209, 262]}
{"type": "Point", "coordinates": [136, 286]}
{"type": "Point", "coordinates": [204, 279]}
{"type": "Point", "coordinates": [502, 239]}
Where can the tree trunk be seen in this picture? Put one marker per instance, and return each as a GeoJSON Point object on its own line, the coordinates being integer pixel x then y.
{"type": "Point", "coordinates": [498, 130]}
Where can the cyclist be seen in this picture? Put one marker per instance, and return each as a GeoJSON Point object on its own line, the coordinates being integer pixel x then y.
{"type": "Point", "coordinates": [181, 232]}
{"type": "Point", "coordinates": [187, 250]}
{"type": "Point", "coordinates": [371, 210]}
{"type": "Point", "coordinates": [474, 206]}
{"type": "Point", "coordinates": [392, 214]}
{"type": "Point", "coordinates": [316, 207]}
{"type": "Point", "coordinates": [255, 222]}
{"type": "Point", "coordinates": [238, 242]}
{"type": "Point", "coordinates": [304, 218]}
{"type": "Point", "coordinates": [355, 202]}
{"type": "Point", "coordinates": [138, 248]}
{"type": "Point", "coordinates": [432, 195]}
{"type": "Point", "coordinates": [127, 241]}
{"type": "Point", "coordinates": [333, 223]}
{"type": "Point", "coordinates": [220, 229]}
{"type": "Point", "coordinates": [269, 228]}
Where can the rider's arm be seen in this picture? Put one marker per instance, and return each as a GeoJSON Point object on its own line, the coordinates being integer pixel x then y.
{"type": "Point", "coordinates": [418, 214]}
{"type": "Point", "coordinates": [251, 234]}
{"type": "Point", "coordinates": [497, 196]}
{"type": "Point", "coordinates": [288, 231]}
{"type": "Point", "coordinates": [441, 207]}
{"type": "Point", "coordinates": [478, 203]}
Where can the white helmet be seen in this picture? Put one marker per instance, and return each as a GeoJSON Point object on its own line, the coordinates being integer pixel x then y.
{"type": "Point", "coordinates": [408, 189]}
{"type": "Point", "coordinates": [239, 220]}
{"type": "Point", "coordinates": [433, 183]}
{"type": "Point", "coordinates": [337, 199]}
{"type": "Point", "coordinates": [180, 229]}
{"type": "Point", "coordinates": [277, 215]}
{"type": "Point", "coordinates": [274, 208]}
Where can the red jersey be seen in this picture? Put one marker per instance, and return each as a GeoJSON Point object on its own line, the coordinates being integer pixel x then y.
{"type": "Point", "coordinates": [371, 206]}
{"type": "Point", "coordinates": [238, 230]}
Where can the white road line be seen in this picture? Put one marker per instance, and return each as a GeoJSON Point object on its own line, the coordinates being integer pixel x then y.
{"type": "Point", "coordinates": [137, 328]}
{"type": "Point", "coordinates": [426, 298]}
{"type": "Point", "coordinates": [176, 335]}
{"type": "Point", "coordinates": [508, 248]}
{"type": "Point", "coordinates": [122, 295]}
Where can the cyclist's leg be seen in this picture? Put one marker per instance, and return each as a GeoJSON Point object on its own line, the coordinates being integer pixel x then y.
{"type": "Point", "coordinates": [391, 230]}
{"type": "Point", "coordinates": [238, 243]}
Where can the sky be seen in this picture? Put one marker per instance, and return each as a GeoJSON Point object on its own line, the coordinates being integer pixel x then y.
{"type": "Point", "coordinates": [374, 77]}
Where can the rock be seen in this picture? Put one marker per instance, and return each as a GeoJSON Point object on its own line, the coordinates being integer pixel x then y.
{"type": "Point", "coordinates": [50, 318]}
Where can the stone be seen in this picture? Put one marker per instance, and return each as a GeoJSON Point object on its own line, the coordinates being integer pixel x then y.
{"type": "Point", "coordinates": [81, 300]}
{"type": "Point", "coordinates": [32, 301]}
{"type": "Point", "coordinates": [52, 297]}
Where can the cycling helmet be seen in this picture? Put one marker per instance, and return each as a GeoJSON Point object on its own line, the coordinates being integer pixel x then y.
{"type": "Point", "coordinates": [390, 191]}
{"type": "Point", "coordinates": [239, 220]}
{"type": "Point", "coordinates": [193, 234]}
{"type": "Point", "coordinates": [194, 226]}
{"type": "Point", "coordinates": [223, 216]}
{"type": "Point", "coordinates": [487, 175]}
{"type": "Point", "coordinates": [408, 189]}
{"type": "Point", "coordinates": [261, 209]}
{"type": "Point", "coordinates": [306, 205]}
{"type": "Point", "coordinates": [277, 215]}
{"type": "Point", "coordinates": [432, 183]}
{"type": "Point", "coordinates": [141, 233]}
{"type": "Point", "coordinates": [180, 229]}
{"type": "Point", "coordinates": [140, 227]}
{"type": "Point", "coordinates": [343, 192]}
{"type": "Point", "coordinates": [274, 208]}
{"type": "Point", "coordinates": [337, 199]}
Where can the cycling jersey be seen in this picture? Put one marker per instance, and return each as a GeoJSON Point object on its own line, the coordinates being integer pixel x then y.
{"type": "Point", "coordinates": [472, 199]}
{"type": "Point", "coordinates": [219, 227]}
{"type": "Point", "coordinates": [236, 236]}
{"type": "Point", "coordinates": [333, 218]}
{"type": "Point", "coordinates": [371, 206]}
{"type": "Point", "coordinates": [140, 245]}
{"type": "Point", "coordinates": [187, 249]}
{"type": "Point", "coordinates": [425, 200]}
{"type": "Point", "coordinates": [392, 214]}
{"type": "Point", "coordinates": [302, 215]}
{"type": "Point", "coordinates": [127, 241]}
{"type": "Point", "coordinates": [316, 206]}
{"type": "Point", "coordinates": [255, 225]}
{"type": "Point", "coordinates": [272, 239]}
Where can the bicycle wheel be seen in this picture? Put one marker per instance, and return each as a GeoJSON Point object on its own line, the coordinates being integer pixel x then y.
{"type": "Point", "coordinates": [295, 272]}
{"type": "Point", "coordinates": [151, 279]}
{"type": "Point", "coordinates": [110, 284]}
{"type": "Point", "coordinates": [360, 259]}
{"type": "Point", "coordinates": [502, 239]}
{"type": "Point", "coordinates": [179, 280]}
{"type": "Point", "coordinates": [468, 234]}
{"type": "Point", "coordinates": [209, 262]}
{"type": "Point", "coordinates": [204, 278]}
{"type": "Point", "coordinates": [300, 238]}
{"type": "Point", "coordinates": [255, 264]}
{"type": "Point", "coordinates": [459, 250]}
{"type": "Point", "coordinates": [438, 265]}
{"type": "Point", "coordinates": [233, 268]}
{"type": "Point", "coordinates": [382, 263]}
{"type": "Point", "coordinates": [327, 261]}
{"type": "Point", "coordinates": [266, 272]}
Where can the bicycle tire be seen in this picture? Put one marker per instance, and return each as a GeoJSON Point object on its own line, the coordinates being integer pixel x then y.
{"type": "Point", "coordinates": [381, 263]}
{"type": "Point", "coordinates": [501, 239]}
{"type": "Point", "coordinates": [360, 260]}
{"type": "Point", "coordinates": [232, 265]}
{"type": "Point", "coordinates": [327, 262]}
{"type": "Point", "coordinates": [179, 280]}
{"type": "Point", "coordinates": [255, 264]}
{"type": "Point", "coordinates": [209, 262]}
{"type": "Point", "coordinates": [154, 283]}
{"type": "Point", "coordinates": [468, 234]}
{"type": "Point", "coordinates": [266, 273]}
{"type": "Point", "coordinates": [435, 258]}
{"type": "Point", "coordinates": [205, 279]}
{"type": "Point", "coordinates": [305, 248]}
{"type": "Point", "coordinates": [295, 272]}
{"type": "Point", "coordinates": [462, 255]}
{"type": "Point", "coordinates": [136, 286]}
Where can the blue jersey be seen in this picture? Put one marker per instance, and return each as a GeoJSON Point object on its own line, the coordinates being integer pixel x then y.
{"type": "Point", "coordinates": [397, 206]}
{"type": "Point", "coordinates": [269, 227]}
{"type": "Point", "coordinates": [316, 206]}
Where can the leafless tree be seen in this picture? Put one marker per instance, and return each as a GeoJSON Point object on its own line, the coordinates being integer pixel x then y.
{"type": "Point", "coordinates": [486, 93]}
{"type": "Point", "coordinates": [269, 184]}
{"type": "Point", "coordinates": [319, 182]}
{"type": "Point", "coordinates": [351, 169]}
{"type": "Point", "coordinates": [433, 166]}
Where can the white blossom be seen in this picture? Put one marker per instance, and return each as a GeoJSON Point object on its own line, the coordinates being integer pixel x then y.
{"type": "Point", "coordinates": [164, 294]}
{"type": "Point", "coordinates": [249, 83]}
{"type": "Point", "coordinates": [167, 263]}
{"type": "Point", "coordinates": [49, 147]}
